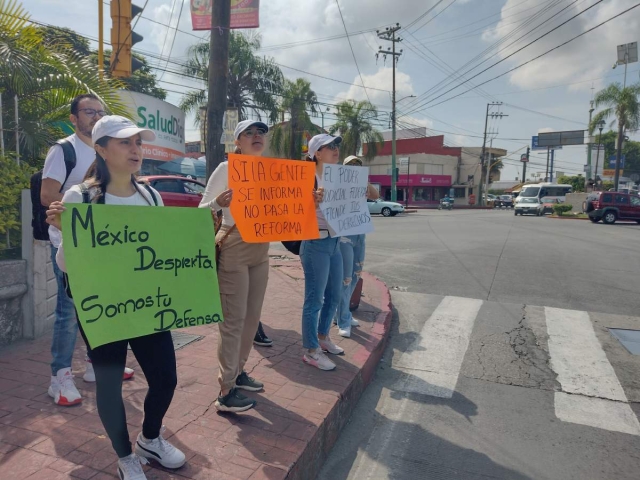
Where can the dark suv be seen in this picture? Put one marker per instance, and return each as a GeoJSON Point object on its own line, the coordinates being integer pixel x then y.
{"type": "Point", "coordinates": [612, 206]}
{"type": "Point", "coordinates": [504, 201]}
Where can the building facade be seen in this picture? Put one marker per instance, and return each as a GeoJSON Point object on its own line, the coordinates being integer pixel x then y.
{"type": "Point", "coordinates": [428, 170]}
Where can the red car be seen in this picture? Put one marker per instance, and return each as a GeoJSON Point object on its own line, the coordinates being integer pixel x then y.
{"type": "Point", "coordinates": [177, 191]}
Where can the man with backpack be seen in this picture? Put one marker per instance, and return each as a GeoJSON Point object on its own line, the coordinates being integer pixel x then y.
{"type": "Point", "coordinates": [66, 164]}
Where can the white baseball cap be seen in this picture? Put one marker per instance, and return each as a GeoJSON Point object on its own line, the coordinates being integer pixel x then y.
{"type": "Point", "coordinates": [352, 159]}
{"type": "Point", "coordinates": [246, 124]}
{"type": "Point", "coordinates": [319, 141]}
{"type": "Point", "coordinates": [116, 126]}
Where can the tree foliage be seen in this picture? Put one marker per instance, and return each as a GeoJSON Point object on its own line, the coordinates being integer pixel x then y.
{"type": "Point", "coordinates": [45, 77]}
{"type": "Point", "coordinates": [355, 125]}
{"type": "Point", "coordinates": [13, 178]}
{"type": "Point", "coordinates": [255, 83]}
{"type": "Point", "coordinates": [298, 98]}
{"type": "Point", "coordinates": [576, 182]}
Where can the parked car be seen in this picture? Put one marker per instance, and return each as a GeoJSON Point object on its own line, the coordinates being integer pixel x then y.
{"type": "Point", "coordinates": [612, 206]}
{"type": "Point", "coordinates": [529, 206]}
{"type": "Point", "coordinates": [386, 209]}
{"type": "Point", "coordinates": [548, 203]}
{"type": "Point", "coordinates": [504, 201]}
{"type": "Point", "coordinates": [177, 191]}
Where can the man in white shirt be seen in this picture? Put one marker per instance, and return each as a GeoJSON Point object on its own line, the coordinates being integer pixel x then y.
{"type": "Point", "coordinates": [86, 110]}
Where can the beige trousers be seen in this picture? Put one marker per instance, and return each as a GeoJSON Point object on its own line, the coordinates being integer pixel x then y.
{"type": "Point", "coordinates": [243, 273]}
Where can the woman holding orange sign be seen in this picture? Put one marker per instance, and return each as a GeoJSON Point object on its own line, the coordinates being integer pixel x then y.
{"type": "Point", "coordinates": [243, 271]}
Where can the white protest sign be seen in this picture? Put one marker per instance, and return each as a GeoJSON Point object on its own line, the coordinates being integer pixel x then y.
{"type": "Point", "coordinates": [345, 200]}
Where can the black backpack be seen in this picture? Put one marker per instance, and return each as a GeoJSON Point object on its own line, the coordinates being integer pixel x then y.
{"type": "Point", "coordinates": [39, 211]}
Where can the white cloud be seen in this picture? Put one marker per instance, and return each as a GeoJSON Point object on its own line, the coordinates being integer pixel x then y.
{"type": "Point", "coordinates": [587, 57]}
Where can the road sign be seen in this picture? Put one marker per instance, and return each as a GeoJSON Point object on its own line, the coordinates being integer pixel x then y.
{"type": "Point", "coordinates": [404, 165]}
{"type": "Point", "coordinates": [535, 146]}
{"type": "Point", "coordinates": [523, 158]}
{"type": "Point", "coordinates": [570, 137]}
{"type": "Point", "coordinates": [612, 161]}
{"type": "Point", "coordinates": [585, 168]}
{"type": "Point", "coordinates": [628, 53]}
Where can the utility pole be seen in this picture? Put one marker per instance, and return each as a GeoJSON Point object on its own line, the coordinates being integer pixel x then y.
{"type": "Point", "coordinates": [551, 166]}
{"type": "Point", "coordinates": [101, 38]}
{"type": "Point", "coordinates": [218, 79]}
{"type": "Point", "coordinates": [587, 175]}
{"type": "Point", "coordinates": [481, 200]}
{"type": "Point", "coordinates": [524, 167]}
{"type": "Point", "coordinates": [546, 172]}
{"type": "Point", "coordinates": [390, 35]}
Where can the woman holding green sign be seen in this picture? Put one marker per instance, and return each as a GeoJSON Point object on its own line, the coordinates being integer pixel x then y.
{"type": "Point", "coordinates": [243, 272]}
{"type": "Point", "coordinates": [111, 180]}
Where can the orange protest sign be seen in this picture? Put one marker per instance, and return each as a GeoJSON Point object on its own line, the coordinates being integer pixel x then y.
{"type": "Point", "coordinates": [272, 198]}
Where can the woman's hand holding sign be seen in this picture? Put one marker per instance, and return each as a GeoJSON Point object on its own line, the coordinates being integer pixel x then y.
{"type": "Point", "coordinates": [318, 196]}
{"type": "Point", "coordinates": [53, 214]}
{"type": "Point", "coordinates": [224, 199]}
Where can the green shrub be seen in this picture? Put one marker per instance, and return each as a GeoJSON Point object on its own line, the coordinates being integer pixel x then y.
{"type": "Point", "coordinates": [13, 178]}
{"type": "Point", "coordinates": [562, 208]}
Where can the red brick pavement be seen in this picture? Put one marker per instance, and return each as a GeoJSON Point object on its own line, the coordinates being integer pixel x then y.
{"type": "Point", "coordinates": [297, 420]}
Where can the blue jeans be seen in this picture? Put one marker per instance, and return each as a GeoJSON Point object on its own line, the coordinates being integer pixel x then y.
{"type": "Point", "coordinates": [353, 248]}
{"type": "Point", "coordinates": [322, 264]}
{"type": "Point", "coordinates": [65, 328]}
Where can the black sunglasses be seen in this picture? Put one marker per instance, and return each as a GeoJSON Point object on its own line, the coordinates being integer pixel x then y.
{"type": "Point", "coordinates": [331, 146]}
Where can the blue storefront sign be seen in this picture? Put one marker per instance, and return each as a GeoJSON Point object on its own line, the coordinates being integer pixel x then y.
{"type": "Point", "coordinates": [612, 161]}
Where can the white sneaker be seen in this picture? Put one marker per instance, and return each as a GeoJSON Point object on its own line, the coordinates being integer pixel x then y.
{"type": "Point", "coordinates": [328, 346]}
{"type": "Point", "coordinates": [318, 360]}
{"type": "Point", "coordinates": [63, 389]}
{"type": "Point", "coordinates": [354, 322]}
{"type": "Point", "coordinates": [90, 375]}
{"type": "Point", "coordinates": [160, 450]}
{"type": "Point", "coordinates": [345, 332]}
{"type": "Point", "coordinates": [130, 468]}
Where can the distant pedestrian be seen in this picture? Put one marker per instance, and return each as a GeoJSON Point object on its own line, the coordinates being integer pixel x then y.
{"type": "Point", "coordinates": [111, 180]}
{"type": "Point", "coordinates": [86, 110]}
{"type": "Point", "coordinates": [322, 264]}
{"type": "Point", "coordinates": [243, 272]}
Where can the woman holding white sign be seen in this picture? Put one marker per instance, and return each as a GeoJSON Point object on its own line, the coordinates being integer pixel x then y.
{"type": "Point", "coordinates": [352, 248]}
{"type": "Point", "coordinates": [322, 263]}
{"type": "Point", "coordinates": [111, 180]}
{"type": "Point", "coordinates": [243, 272]}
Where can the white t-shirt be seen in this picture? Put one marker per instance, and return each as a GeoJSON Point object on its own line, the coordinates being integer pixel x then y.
{"type": "Point", "coordinates": [141, 198]}
{"type": "Point", "coordinates": [55, 169]}
{"type": "Point", "coordinates": [218, 183]}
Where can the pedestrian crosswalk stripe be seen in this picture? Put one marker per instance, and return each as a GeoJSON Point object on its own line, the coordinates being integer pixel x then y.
{"type": "Point", "coordinates": [432, 365]}
{"type": "Point", "coordinates": [591, 392]}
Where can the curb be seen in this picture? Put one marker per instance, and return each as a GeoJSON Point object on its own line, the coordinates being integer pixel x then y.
{"type": "Point", "coordinates": [566, 218]}
{"type": "Point", "coordinates": [312, 458]}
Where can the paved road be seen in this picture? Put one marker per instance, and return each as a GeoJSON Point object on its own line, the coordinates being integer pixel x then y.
{"type": "Point", "coordinates": [500, 362]}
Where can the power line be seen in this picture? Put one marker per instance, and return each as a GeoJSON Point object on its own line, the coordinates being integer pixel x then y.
{"type": "Point", "coordinates": [352, 52]}
{"type": "Point", "coordinates": [426, 102]}
{"type": "Point", "coordinates": [173, 42]}
{"type": "Point", "coordinates": [543, 54]}
{"type": "Point", "coordinates": [434, 17]}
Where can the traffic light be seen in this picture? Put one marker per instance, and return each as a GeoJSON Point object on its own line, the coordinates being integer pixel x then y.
{"type": "Point", "coordinates": [123, 64]}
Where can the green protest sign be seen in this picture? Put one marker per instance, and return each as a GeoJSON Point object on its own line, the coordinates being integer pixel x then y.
{"type": "Point", "coordinates": [134, 271]}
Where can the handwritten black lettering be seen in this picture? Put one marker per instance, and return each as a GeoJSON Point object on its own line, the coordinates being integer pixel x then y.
{"type": "Point", "coordinates": [148, 259]}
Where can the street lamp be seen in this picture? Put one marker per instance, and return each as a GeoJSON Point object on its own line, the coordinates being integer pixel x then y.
{"type": "Point", "coordinates": [601, 124]}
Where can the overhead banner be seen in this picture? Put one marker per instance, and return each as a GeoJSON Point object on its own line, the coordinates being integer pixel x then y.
{"type": "Point", "coordinates": [244, 14]}
{"type": "Point", "coordinates": [166, 120]}
{"type": "Point", "coordinates": [272, 198]}
{"type": "Point", "coordinates": [134, 271]}
{"type": "Point", "coordinates": [345, 200]}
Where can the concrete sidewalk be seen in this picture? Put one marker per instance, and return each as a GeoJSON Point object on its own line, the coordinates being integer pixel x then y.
{"type": "Point", "coordinates": [296, 422]}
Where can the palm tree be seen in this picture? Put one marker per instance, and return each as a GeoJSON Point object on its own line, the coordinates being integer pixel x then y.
{"type": "Point", "coordinates": [621, 104]}
{"type": "Point", "coordinates": [297, 100]}
{"type": "Point", "coordinates": [45, 77]}
{"type": "Point", "coordinates": [254, 82]}
{"type": "Point", "coordinates": [355, 127]}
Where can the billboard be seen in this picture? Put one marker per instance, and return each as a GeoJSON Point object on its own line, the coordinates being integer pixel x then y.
{"type": "Point", "coordinates": [166, 120]}
{"type": "Point", "coordinates": [612, 161]}
{"type": "Point", "coordinates": [552, 139]}
{"type": "Point", "coordinates": [244, 14]}
{"type": "Point", "coordinates": [535, 144]}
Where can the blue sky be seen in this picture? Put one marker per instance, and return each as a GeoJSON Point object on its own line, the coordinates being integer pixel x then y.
{"type": "Point", "coordinates": [551, 93]}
